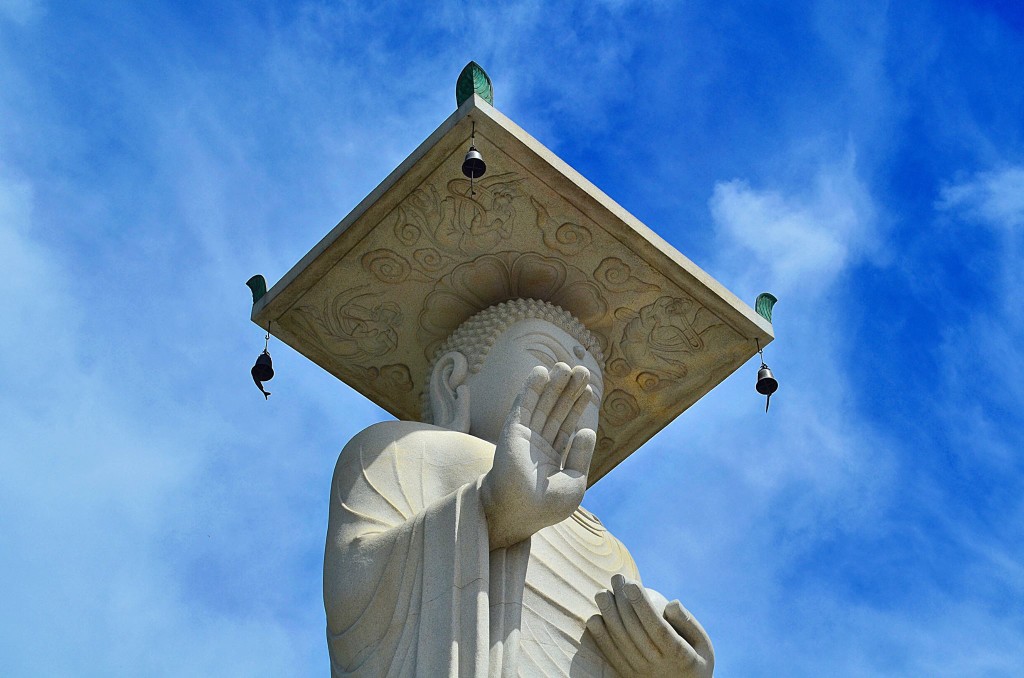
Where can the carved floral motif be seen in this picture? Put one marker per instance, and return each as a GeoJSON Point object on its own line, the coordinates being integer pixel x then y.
{"type": "Point", "coordinates": [445, 252]}
{"type": "Point", "coordinates": [460, 232]}
{"type": "Point", "coordinates": [493, 278]}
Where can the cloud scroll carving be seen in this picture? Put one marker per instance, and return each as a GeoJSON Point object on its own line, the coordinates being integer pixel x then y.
{"type": "Point", "coordinates": [356, 327]}
{"type": "Point", "coordinates": [386, 266]}
{"type": "Point", "coordinates": [443, 253]}
{"type": "Point", "coordinates": [616, 275]}
{"type": "Point", "coordinates": [620, 408]}
{"type": "Point", "coordinates": [568, 238]}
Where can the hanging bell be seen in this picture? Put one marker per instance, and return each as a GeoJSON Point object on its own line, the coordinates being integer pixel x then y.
{"type": "Point", "coordinates": [474, 166]}
{"type": "Point", "coordinates": [262, 371]}
{"type": "Point", "coordinates": [766, 384]}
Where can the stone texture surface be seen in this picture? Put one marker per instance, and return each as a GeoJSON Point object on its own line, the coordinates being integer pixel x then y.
{"type": "Point", "coordinates": [375, 298]}
{"type": "Point", "coordinates": [466, 552]}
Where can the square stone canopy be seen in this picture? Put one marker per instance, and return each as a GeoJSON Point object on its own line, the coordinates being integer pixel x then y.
{"type": "Point", "coordinates": [372, 302]}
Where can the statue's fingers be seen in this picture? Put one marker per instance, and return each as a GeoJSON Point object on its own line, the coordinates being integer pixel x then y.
{"type": "Point", "coordinates": [657, 628]}
{"type": "Point", "coordinates": [581, 452]}
{"type": "Point", "coordinates": [572, 420]}
{"type": "Point", "coordinates": [644, 645]}
{"type": "Point", "coordinates": [526, 403]}
{"type": "Point", "coordinates": [559, 377]}
{"type": "Point", "coordinates": [690, 629]}
{"type": "Point", "coordinates": [546, 454]}
{"type": "Point", "coordinates": [617, 629]}
{"type": "Point", "coordinates": [599, 632]}
{"type": "Point", "coordinates": [579, 378]}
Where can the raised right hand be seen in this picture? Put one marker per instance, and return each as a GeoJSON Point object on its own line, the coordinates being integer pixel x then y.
{"type": "Point", "coordinates": [541, 460]}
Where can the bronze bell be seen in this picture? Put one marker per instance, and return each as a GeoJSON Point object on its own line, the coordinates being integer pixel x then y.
{"type": "Point", "coordinates": [262, 371]}
{"type": "Point", "coordinates": [766, 384]}
{"type": "Point", "coordinates": [474, 166]}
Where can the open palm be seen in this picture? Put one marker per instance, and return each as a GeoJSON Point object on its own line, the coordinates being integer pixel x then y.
{"type": "Point", "coordinates": [541, 459]}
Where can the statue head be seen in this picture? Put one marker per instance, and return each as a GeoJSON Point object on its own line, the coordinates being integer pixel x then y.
{"type": "Point", "coordinates": [482, 366]}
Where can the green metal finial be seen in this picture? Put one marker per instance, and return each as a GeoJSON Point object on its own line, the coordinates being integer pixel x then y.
{"type": "Point", "coordinates": [472, 80]}
{"type": "Point", "coordinates": [258, 285]}
{"type": "Point", "coordinates": [763, 305]}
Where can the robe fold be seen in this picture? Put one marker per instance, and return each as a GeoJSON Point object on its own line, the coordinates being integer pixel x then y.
{"type": "Point", "coordinates": [411, 587]}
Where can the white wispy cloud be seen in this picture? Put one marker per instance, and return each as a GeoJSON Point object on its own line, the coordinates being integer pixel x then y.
{"type": "Point", "coordinates": [143, 511]}
{"type": "Point", "coordinates": [756, 495]}
{"type": "Point", "coordinates": [981, 388]}
{"type": "Point", "coordinates": [156, 520]}
{"type": "Point", "coordinates": [795, 241]}
{"type": "Point", "coordinates": [993, 198]}
{"type": "Point", "coordinates": [20, 11]}
{"type": "Point", "coordinates": [90, 492]}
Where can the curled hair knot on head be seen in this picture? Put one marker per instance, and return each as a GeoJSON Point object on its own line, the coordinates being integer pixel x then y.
{"type": "Point", "coordinates": [475, 337]}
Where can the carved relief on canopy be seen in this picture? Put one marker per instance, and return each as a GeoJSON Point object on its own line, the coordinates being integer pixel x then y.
{"type": "Point", "coordinates": [447, 251]}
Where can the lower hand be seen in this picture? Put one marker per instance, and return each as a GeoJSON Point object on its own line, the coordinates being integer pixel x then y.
{"type": "Point", "coordinates": [638, 639]}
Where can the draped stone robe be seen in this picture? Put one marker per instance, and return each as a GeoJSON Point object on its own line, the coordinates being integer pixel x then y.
{"type": "Point", "coordinates": [411, 587]}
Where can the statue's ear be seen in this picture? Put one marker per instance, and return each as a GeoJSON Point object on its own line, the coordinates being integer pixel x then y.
{"type": "Point", "coordinates": [449, 394]}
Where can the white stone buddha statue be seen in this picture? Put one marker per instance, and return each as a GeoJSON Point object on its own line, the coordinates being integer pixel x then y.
{"type": "Point", "coordinates": [459, 547]}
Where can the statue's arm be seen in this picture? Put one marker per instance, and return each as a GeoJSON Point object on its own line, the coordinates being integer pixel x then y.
{"type": "Point", "coordinates": [537, 479]}
{"type": "Point", "coordinates": [394, 482]}
{"type": "Point", "coordinates": [355, 555]}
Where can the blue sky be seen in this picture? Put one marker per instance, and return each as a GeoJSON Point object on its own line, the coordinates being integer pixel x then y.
{"type": "Point", "coordinates": [863, 161]}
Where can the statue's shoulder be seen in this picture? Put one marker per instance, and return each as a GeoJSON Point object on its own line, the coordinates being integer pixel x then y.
{"type": "Point", "coordinates": [390, 441]}
{"type": "Point", "coordinates": [404, 434]}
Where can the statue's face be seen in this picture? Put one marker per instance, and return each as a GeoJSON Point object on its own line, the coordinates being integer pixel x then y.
{"type": "Point", "coordinates": [523, 346]}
